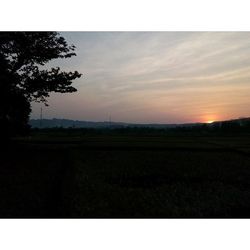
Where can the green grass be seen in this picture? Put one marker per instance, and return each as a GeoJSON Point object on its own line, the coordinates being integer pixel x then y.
{"type": "Point", "coordinates": [126, 176]}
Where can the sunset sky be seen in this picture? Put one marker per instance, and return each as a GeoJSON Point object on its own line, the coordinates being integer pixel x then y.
{"type": "Point", "coordinates": [155, 77]}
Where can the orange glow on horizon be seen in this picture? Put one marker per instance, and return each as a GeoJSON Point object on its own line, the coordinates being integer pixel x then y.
{"type": "Point", "coordinates": [210, 119]}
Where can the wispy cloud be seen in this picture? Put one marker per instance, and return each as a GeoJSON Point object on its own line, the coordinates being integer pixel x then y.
{"type": "Point", "coordinates": [157, 76]}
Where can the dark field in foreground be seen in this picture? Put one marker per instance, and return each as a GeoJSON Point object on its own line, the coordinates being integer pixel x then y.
{"type": "Point", "coordinates": [125, 176]}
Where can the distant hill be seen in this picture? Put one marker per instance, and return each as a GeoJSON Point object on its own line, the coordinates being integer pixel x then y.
{"type": "Point", "coordinates": [66, 123]}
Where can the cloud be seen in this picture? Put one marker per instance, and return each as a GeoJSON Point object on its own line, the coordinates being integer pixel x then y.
{"type": "Point", "coordinates": [157, 76]}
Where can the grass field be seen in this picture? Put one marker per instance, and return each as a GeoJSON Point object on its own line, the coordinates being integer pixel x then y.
{"type": "Point", "coordinates": [126, 176]}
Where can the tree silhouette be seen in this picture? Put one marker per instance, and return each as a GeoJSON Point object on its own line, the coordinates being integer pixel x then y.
{"type": "Point", "coordinates": [24, 76]}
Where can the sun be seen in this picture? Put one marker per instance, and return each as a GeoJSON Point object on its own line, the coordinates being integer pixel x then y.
{"type": "Point", "coordinates": [210, 121]}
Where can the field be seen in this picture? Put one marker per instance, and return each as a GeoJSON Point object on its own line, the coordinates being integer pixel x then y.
{"type": "Point", "coordinates": [119, 175]}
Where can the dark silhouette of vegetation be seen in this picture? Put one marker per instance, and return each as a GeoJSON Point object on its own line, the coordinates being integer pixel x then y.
{"type": "Point", "coordinates": [231, 127]}
{"type": "Point", "coordinates": [24, 77]}
{"type": "Point", "coordinates": [126, 173]}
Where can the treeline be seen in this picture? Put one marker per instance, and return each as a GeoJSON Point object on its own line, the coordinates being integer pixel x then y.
{"type": "Point", "coordinates": [227, 127]}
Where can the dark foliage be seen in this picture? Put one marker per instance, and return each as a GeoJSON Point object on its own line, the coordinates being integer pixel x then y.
{"type": "Point", "coordinates": [24, 79]}
{"type": "Point", "coordinates": [70, 173]}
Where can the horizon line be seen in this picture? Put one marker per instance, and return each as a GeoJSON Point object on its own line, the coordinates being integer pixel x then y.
{"type": "Point", "coordinates": [208, 122]}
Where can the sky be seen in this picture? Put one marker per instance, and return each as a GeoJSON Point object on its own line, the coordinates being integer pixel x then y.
{"type": "Point", "coordinates": [155, 77]}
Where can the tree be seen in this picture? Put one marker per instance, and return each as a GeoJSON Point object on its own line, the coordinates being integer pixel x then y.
{"type": "Point", "coordinates": [24, 76]}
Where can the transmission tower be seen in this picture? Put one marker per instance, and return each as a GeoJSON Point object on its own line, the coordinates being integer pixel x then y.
{"type": "Point", "coordinates": [41, 117]}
